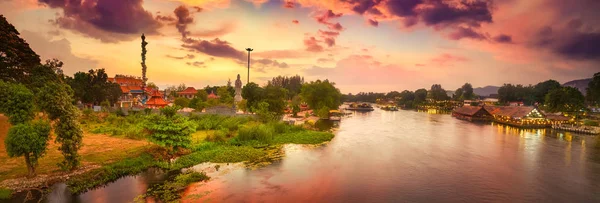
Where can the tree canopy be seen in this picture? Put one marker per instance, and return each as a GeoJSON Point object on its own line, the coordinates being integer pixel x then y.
{"type": "Point", "coordinates": [437, 93]}
{"type": "Point", "coordinates": [292, 84]}
{"type": "Point", "coordinates": [319, 94]}
{"type": "Point", "coordinates": [564, 99]}
{"type": "Point", "coordinates": [17, 59]}
{"type": "Point", "coordinates": [93, 87]}
{"type": "Point", "coordinates": [593, 90]}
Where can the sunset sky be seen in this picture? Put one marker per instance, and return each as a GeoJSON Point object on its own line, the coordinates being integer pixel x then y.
{"type": "Point", "coordinates": [362, 45]}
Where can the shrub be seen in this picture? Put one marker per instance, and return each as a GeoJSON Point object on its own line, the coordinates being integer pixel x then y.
{"type": "Point", "coordinates": [260, 133]}
{"type": "Point", "coordinates": [218, 136]}
{"type": "Point", "coordinates": [147, 111]}
{"type": "Point", "coordinates": [171, 133]}
{"type": "Point", "coordinates": [170, 111]}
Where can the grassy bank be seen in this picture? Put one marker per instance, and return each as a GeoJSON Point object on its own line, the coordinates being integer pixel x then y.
{"type": "Point", "coordinates": [118, 144]}
{"type": "Point", "coordinates": [219, 139]}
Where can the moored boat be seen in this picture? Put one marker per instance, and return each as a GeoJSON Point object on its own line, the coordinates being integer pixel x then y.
{"type": "Point", "coordinates": [360, 107]}
{"type": "Point", "coordinates": [389, 108]}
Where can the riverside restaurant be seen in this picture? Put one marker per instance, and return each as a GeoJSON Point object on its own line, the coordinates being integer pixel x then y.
{"type": "Point", "coordinates": [518, 116]}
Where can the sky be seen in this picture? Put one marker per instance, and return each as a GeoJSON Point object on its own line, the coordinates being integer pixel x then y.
{"type": "Point", "coordinates": [361, 45]}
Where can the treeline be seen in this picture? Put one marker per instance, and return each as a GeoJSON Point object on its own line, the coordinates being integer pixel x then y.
{"type": "Point", "coordinates": [271, 99]}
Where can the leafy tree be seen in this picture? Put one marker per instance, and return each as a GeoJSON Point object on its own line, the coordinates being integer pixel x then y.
{"type": "Point", "coordinates": [406, 99]}
{"type": "Point", "coordinates": [541, 89]}
{"type": "Point", "coordinates": [17, 59]}
{"type": "Point", "coordinates": [56, 100]}
{"type": "Point", "coordinates": [295, 110]}
{"type": "Point", "coordinates": [323, 112]}
{"type": "Point", "coordinates": [253, 94]}
{"type": "Point", "coordinates": [593, 90]}
{"type": "Point", "coordinates": [275, 96]}
{"type": "Point", "coordinates": [202, 95]}
{"type": "Point", "coordinates": [292, 84]}
{"type": "Point", "coordinates": [437, 93]}
{"type": "Point", "coordinates": [170, 130]}
{"type": "Point", "coordinates": [262, 111]}
{"type": "Point", "coordinates": [182, 101]}
{"type": "Point", "coordinates": [16, 102]}
{"type": "Point", "coordinates": [392, 95]}
{"type": "Point", "coordinates": [319, 93]}
{"type": "Point", "coordinates": [363, 97]}
{"type": "Point", "coordinates": [467, 93]}
{"type": "Point", "coordinates": [420, 96]}
{"type": "Point", "coordinates": [458, 94]}
{"type": "Point", "coordinates": [170, 111]}
{"type": "Point", "coordinates": [25, 138]}
{"type": "Point", "coordinates": [565, 99]}
{"type": "Point", "coordinates": [29, 140]}
{"type": "Point", "coordinates": [511, 93]}
{"type": "Point", "coordinates": [225, 96]}
{"type": "Point", "coordinates": [93, 87]}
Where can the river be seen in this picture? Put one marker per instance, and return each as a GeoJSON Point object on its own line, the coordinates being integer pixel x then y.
{"type": "Point", "coordinates": [406, 156]}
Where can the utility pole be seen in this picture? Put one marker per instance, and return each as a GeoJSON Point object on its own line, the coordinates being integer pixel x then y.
{"type": "Point", "coordinates": [249, 50]}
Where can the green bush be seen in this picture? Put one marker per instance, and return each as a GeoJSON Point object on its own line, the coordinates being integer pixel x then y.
{"type": "Point", "coordinates": [218, 136]}
{"type": "Point", "coordinates": [262, 133]}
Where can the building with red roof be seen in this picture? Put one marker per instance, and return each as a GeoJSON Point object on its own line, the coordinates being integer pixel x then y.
{"type": "Point", "coordinates": [156, 100]}
{"type": "Point", "coordinates": [189, 93]}
{"type": "Point", "coordinates": [212, 96]}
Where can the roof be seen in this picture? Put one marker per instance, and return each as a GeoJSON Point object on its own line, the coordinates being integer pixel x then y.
{"type": "Point", "coordinates": [212, 96]}
{"type": "Point", "coordinates": [510, 111]}
{"type": "Point", "coordinates": [157, 101]}
{"type": "Point", "coordinates": [189, 90]}
{"type": "Point", "coordinates": [131, 89]}
{"type": "Point", "coordinates": [490, 100]}
{"type": "Point", "coordinates": [126, 80]}
{"type": "Point", "coordinates": [468, 110]}
{"type": "Point", "coordinates": [557, 117]}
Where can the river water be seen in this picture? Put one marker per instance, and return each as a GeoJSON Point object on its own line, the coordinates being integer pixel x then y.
{"type": "Point", "coordinates": [407, 156]}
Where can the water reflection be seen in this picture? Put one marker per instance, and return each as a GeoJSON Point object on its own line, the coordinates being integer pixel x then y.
{"type": "Point", "coordinates": [416, 157]}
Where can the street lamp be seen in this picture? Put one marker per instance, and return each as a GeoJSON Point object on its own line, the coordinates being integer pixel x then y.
{"type": "Point", "coordinates": [249, 50]}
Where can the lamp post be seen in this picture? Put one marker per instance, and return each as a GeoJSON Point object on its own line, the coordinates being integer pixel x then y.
{"type": "Point", "coordinates": [249, 50]}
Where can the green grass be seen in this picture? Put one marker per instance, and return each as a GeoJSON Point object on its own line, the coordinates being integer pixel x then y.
{"type": "Point", "coordinates": [5, 193]}
{"type": "Point", "coordinates": [303, 137]}
{"type": "Point", "coordinates": [218, 153]}
{"type": "Point", "coordinates": [109, 173]}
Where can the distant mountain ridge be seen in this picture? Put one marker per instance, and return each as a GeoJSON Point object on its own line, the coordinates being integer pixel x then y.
{"type": "Point", "coordinates": [581, 85]}
{"type": "Point", "coordinates": [486, 91]}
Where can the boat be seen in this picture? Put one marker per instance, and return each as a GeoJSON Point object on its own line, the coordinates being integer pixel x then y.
{"type": "Point", "coordinates": [389, 108]}
{"type": "Point", "coordinates": [360, 107]}
{"type": "Point", "coordinates": [335, 115]}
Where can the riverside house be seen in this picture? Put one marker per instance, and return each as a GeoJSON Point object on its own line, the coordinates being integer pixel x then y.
{"type": "Point", "coordinates": [189, 93]}
{"type": "Point", "coordinates": [518, 116]}
{"type": "Point", "coordinates": [472, 113]}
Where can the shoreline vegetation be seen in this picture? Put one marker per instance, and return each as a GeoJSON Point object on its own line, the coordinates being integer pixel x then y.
{"type": "Point", "coordinates": [216, 139]}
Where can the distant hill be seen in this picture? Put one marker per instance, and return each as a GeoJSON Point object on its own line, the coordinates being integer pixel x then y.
{"type": "Point", "coordinates": [486, 91]}
{"type": "Point", "coordinates": [579, 84]}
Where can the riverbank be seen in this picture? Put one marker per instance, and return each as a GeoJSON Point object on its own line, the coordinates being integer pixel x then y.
{"type": "Point", "coordinates": [219, 139]}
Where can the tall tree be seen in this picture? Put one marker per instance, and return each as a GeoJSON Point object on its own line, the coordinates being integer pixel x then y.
{"type": "Point", "coordinates": [274, 96]}
{"type": "Point", "coordinates": [93, 87]}
{"type": "Point", "coordinates": [319, 94]}
{"type": "Point", "coordinates": [467, 93]}
{"type": "Point", "coordinates": [565, 99]}
{"type": "Point", "coordinates": [541, 89]}
{"type": "Point", "coordinates": [420, 95]}
{"type": "Point", "coordinates": [593, 90]}
{"type": "Point", "coordinates": [224, 95]}
{"type": "Point", "coordinates": [437, 93]}
{"type": "Point", "coordinates": [25, 138]}
{"type": "Point", "coordinates": [253, 94]}
{"type": "Point", "coordinates": [16, 57]}
{"type": "Point", "coordinates": [292, 84]}
{"type": "Point", "coordinates": [56, 100]}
